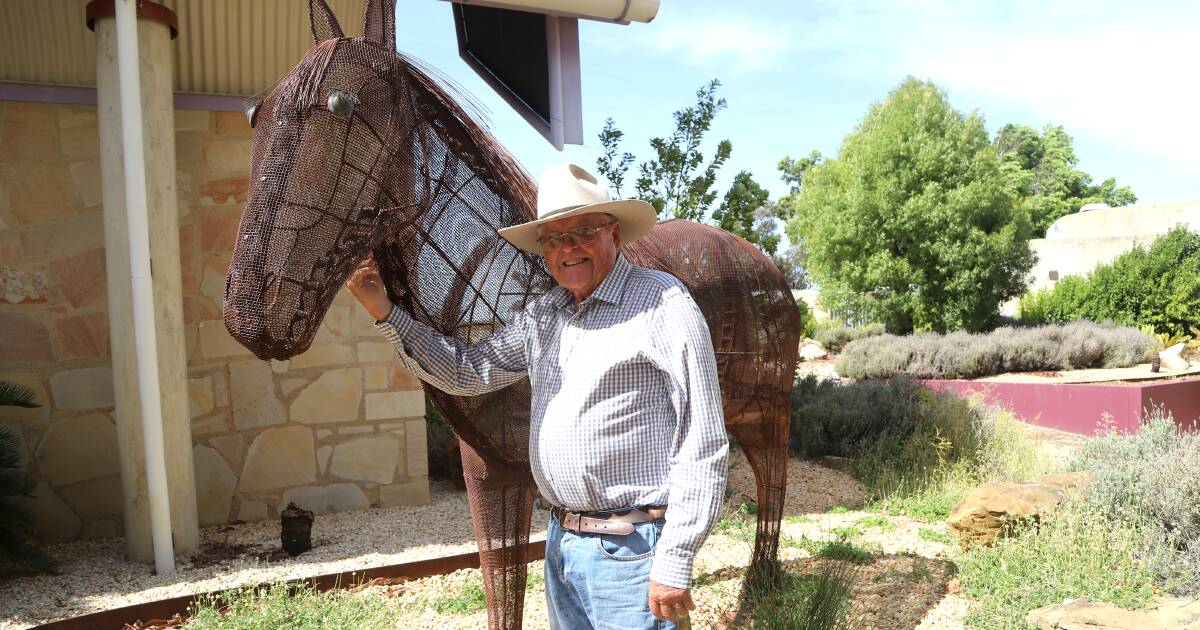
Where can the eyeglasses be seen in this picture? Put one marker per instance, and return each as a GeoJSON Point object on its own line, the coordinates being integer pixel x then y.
{"type": "Point", "coordinates": [578, 236]}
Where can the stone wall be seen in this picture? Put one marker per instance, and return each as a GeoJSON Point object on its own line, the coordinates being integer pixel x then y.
{"type": "Point", "coordinates": [338, 427]}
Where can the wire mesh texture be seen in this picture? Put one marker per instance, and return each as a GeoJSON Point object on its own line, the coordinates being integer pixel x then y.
{"type": "Point", "coordinates": [359, 150]}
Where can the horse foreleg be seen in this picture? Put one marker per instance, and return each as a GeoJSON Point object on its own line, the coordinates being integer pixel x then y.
{"type": "Point", "coordinates": [766, 448]}
{"type": "Point", "coordinates": [501, 507]}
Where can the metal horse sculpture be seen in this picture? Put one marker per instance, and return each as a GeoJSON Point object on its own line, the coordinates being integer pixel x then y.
{"type": "Point", "coordinates": [356, 151]}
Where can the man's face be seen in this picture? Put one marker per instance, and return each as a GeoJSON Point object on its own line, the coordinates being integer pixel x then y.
{"type": "Point", "coordinates": [579, 267]}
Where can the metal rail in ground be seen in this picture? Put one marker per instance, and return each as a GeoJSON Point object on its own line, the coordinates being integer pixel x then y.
{"type": "Point", "coordinates": [118, 618]}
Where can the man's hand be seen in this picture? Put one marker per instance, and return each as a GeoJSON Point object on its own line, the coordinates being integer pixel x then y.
{"type": "Point", "coordinates": [367, 286]}
{"type": "Point", "coordinates": [669, 603]}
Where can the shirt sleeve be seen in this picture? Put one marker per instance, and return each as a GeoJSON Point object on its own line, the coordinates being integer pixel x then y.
{"type": "Point", "coordinates": [452, 366]}
{"type": "Point", "coordinates": [700, 449]}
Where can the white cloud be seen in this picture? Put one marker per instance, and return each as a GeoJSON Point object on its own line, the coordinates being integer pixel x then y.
{"type": "Point", "coordinates": [745, 44]}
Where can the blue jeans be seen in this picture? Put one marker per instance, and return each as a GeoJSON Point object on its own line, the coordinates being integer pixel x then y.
{"type": "Point", "coordinates": [601, 581]}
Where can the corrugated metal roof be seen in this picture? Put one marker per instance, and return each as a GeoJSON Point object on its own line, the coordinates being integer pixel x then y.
{"type": "Point", "coordinates": [237, 47]}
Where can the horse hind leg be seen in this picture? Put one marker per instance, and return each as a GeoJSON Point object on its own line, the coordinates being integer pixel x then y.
{"type": "Point", "coordinates": [501, 508]}
{"type": "Point", "coordinates": [764, 440]}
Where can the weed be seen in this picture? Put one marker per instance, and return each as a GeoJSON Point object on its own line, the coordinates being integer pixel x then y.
{"type": "Point", "coordinates": [288, 606]}
{"type": "Point", "coordinates": [876, 520]}
{"type": "Point", "coordinates": [814, 601]}
{"type": "Point", "coordinates": [935, 535]}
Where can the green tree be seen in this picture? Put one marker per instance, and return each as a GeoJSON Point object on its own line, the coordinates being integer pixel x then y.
{"type": "Point", "coordinates": [792, 171]}
{"type": "Point", "coordinates": [676, 180]}
{"type": "Point", "coordinates": [745, 212]}
{"type": "Point", "coordinates": [913, 224]}
{"type": "Point", "coordinates": [1041, 169]}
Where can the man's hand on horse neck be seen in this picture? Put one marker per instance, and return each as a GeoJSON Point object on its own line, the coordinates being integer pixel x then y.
{"type": "Point", "coordinates": [366, 285]}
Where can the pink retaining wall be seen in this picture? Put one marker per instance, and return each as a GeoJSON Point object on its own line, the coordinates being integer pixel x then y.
{"type": "Point", "coordinates": [1079, 407]}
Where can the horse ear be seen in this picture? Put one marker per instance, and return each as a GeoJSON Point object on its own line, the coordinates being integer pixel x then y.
{"type": "Point", "coordinates": [322, 22]}
{"type": "Point", "coordinates": [379, 22]}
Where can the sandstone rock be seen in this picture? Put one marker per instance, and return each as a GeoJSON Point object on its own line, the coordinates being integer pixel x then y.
{"type": "Point", "coordinates": [337, 497]}
{"type": "Point", "coordinates": [366, 459]}
{"type": "Point", "coordinates": [254, 400]}
{"type": "Point", "coordinates": [320, 354]}
{"type": "Point", "coordinates": [82, 336]}
{"type": "Point", "coordinates": [401, 404]}
{"type": "Point", "coordinates": [81, 278]}
{"type": "Point", "coordinates": [103, 528]}
{"type": "Point", "coordinates": [323, 455]}
{"type": "Point", "coordinates": [86, 388]}
{"type": "Point", "coordinates": [213, 285]}
{"type": "Point", "coordinates": [212, 423]}
{"type": "Point", "coordinates": [989, 511]}
{"type": "Point", "coordinates": [279, 458]}
{"type": "Point", "coordinates": [23, 338]}
{"type": "Point", "coordinates": [337, 321]}
{"type": "Point", "coordinates": [375, 352]}
{"type": "Point", "coordinates": [200, 395]}
{"type": "Point", "coordinates": [401, 378]}
{"type": "Point", "coordinates": [1172, 358]}
{"type": "Point", "coordinates": [53, 520]}
{"type": "Point", "coordinates": [1069, 482]}
{"type": "Point", "coordinates": [252, 511]}
{"type": "Point", "coordinates": [416, 454]}
{"type": "Point", "coordinates": [79, 449]}
{"type": "Point", "coordinates": [230, 447]}
{"type": "Point", "coordinates": [812, 351]}
{"type": "Point", "coordinates": [414, 492]}
{"type": "Point", "coordinates": [288, 386]}
{"type": "Point", "coordinates": [100, 497]}
{"type": "Point", "coordinates": [334, 397]}
{"type": "Point", "coordinates": [376, 376]}
{"type": "Point", "coordinates": [215, 341]}
{"type": "Point", "coordinates": [1085, 614]}
{"type": "Point", "coordinates": [215, 482]}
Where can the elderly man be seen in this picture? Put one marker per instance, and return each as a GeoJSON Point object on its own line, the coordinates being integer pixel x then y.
{"type": "Point", "coordinates": [627, 439]}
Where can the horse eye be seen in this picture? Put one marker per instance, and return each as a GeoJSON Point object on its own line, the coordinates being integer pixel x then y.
{"type": "Point", "coordinates": [342, 103]}
{"type": "Point", "coordinates": [252, 112]}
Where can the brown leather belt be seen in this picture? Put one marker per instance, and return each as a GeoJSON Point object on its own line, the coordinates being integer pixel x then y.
{"type": "Point", "coordinates": [619, 523]}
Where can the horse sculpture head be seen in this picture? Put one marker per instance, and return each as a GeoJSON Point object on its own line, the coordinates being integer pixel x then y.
{"type": "Point", "coordinates": [341, 161]}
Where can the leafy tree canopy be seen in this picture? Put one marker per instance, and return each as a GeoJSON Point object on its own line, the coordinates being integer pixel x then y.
{"type": "Point", "coordinates": [1040, 168]}
{"type": "Point", "coordinates": [914, 223]}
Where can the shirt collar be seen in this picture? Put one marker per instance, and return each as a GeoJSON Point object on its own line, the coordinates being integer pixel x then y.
{"type": "Point", "coordinates": [610, 289]}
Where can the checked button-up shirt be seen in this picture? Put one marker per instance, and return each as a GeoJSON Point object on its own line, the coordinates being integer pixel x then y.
{"type": "Point", "coordinates": [626, 408]}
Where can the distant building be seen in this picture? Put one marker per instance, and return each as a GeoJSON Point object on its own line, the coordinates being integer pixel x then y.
{"type": "Point", "coordinates": [1077, 243]}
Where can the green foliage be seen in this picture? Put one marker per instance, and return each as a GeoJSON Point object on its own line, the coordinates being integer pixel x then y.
{"type": "Point", "coordinates": [876, 520]}
{"type": "Point", "coordinates": [437, 441]}
{"type": "Point", "coordinates": [1149, 478]}
{"type": "Point", "coordinates": [19, 550]}
{"type": "Point", "coordinates": [815, 601]}
{"type": "Point", "coordinates": [935, 535]}
{"type": "Point", "coordinates": [745, 212]}
{"type": "Point", "coordinates": [838, 549]}
{"type": "Point", "coordinates": [913, 224]}
{"type": "Point", "coordinates": [829, 418]}
{"type": "Point", "coordinates": [1077, 345]}
{"type": "Point", "coordinates": [611, 165]}
{"type": "Point", "coordinates": [287, 606]}
{"type": "Point", "coordinates": [1158, 287]}
{"type": "Point", "coordinates": [791, 263]}
{"type": "Point", "coordinates": [834, 335]}
{"type": "Point", "coordinates": [807, 322]}
{"type": "Point", "coordinates": [676, 180]}
{"type": "Point", "coordinates": [471, 598]}
{"type": "Point", "coordinates": [1040, 168]}
{"type": "Point", "coordinates": [1075, 554]}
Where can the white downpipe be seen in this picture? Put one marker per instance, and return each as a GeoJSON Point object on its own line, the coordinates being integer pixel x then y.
{"type": "Point", "coordinates": [145, 339]}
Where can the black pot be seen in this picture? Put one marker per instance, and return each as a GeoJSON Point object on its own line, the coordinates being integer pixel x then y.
{"type": "Point", "coordinates": [295, 529]}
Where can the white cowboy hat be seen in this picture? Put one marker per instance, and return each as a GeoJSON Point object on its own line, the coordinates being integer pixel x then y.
{"type": "Point", "coordinates": [566, 190]}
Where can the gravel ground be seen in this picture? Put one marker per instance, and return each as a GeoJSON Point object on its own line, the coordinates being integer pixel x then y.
{"type": "Point", "coordinates": [906, 582]}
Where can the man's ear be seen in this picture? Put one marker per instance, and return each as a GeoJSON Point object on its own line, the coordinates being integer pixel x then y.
{"type": "Point", "coordinates": [617, 233]}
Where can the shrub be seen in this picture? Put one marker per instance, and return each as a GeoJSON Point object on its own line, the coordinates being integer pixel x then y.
{"type": "Point", "coordinates": [816, 601]}
{"type": "Point", "coordinates": [1076, 345]}
{"type": "Point", "coordinates": [1079, 553]}
{"type": "Point", "coordinates": [1150, 478]}
{"type": "Point", "coordinates": [807, 320]}
{"type": "Point", "coordinates": [834, 336]}
{"type": "Point", "coordinates": [18, 549]}
{"type": "Point", "coordinates": [829, 418]}
{"type": "Point", "coordinates": [1158, 286]}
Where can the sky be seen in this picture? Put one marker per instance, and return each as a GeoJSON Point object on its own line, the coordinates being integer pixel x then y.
{"type": "Point", "coordinates": [1120, 77]}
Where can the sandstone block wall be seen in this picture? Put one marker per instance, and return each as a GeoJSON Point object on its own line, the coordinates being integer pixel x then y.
{"type": "Point", "coordinates": [339, 427]}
